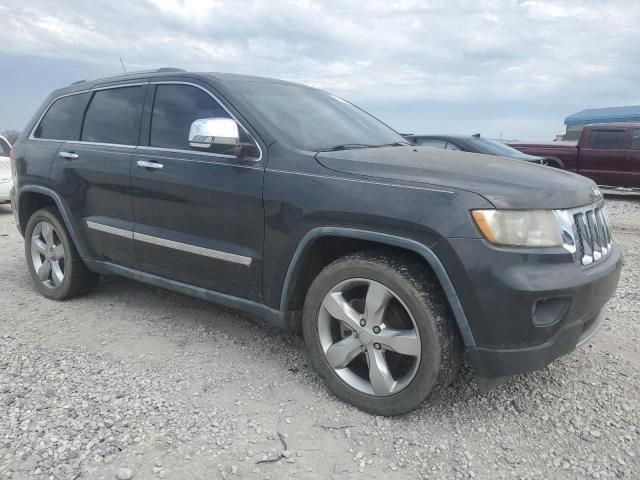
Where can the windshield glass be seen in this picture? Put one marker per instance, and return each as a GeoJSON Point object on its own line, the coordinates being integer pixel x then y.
{"type": "Point", "coordinates": [310, 119]}
{"type": "Point", "coordinates": [493, 147]}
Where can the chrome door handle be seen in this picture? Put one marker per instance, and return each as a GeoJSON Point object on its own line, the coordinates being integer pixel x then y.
{"type": "Point", "coordinates": [68, 155]}
{"type": "Point", "coordinates": [152, 165]}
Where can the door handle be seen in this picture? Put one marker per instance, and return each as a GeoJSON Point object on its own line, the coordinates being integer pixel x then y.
{"type": "Point", "coordinates": [151, 165]}
{"type": "Point", "coordinates": [68, 155]}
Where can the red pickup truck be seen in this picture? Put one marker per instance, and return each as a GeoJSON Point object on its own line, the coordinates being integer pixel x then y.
{"type": "Point", "coordinates": [607, 153]}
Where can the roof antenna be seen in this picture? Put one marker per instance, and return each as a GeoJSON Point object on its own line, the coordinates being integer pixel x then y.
{"type": "Point", "coordinates": [122, 63]}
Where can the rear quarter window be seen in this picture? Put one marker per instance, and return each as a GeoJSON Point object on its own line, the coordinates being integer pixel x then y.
{"type": "Point", "coordinates": [63, 119]}
{"type": "Point", "coordinates": [635, 139]}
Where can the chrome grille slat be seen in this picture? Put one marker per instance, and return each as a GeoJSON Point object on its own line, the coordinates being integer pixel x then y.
{"type": "Point", "coordinates": [586, 232]}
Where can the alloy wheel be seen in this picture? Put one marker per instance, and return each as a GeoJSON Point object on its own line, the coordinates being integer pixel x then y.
{"type": "Point", "coordinates": [369, 337]}
{"type": "Point", "coordinates": [47, 255]}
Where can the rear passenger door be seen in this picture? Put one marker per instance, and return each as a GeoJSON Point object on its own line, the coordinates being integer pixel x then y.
{"type": "Point", "coordinates": [199, 215]}
{"type": "Point", "coordinates": [93, 171]}
{"type": "Point", "coordinates": [603, 158]}
{"type": "Point", "coordinates": [633, 159]}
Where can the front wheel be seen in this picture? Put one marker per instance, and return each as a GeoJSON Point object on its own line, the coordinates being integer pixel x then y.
{"type": "Point", "coordinates": [379, 332]}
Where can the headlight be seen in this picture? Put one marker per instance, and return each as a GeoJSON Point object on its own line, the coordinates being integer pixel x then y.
{"type": "Point", "coordinates": [519, 228]}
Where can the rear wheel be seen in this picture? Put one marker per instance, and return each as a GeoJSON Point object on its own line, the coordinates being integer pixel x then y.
{"type": "Point", "coordinates": [379, 332]}
{"type": "Point", "coordinates": [56, 269]}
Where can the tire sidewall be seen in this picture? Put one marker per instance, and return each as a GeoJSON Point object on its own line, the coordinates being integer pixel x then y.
{"type": "Point", "coordinates": [426, 377]}
{"type": "Point", "coordinates": [63, 289]}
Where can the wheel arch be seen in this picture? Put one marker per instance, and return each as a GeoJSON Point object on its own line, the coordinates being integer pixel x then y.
{"type": "Point", "coordinates": [33, 197]}
{"type": "Point", "coordinates": [305, 249]}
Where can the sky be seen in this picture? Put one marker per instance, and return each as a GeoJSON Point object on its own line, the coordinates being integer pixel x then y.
{"type": "Point", "coordinates": [511, 69]}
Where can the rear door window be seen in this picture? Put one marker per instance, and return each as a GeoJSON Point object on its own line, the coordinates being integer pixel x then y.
{"type": "Point", "coordinates": [607, 139]}
{"type": "Point", "coordinates": [63, 119]}
{"type": "Point", "coordinates": [635, 139]}
{"type": "Point", "coordinates": [113, 116]}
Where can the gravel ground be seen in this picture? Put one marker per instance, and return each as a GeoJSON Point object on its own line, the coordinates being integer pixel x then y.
{"type": "Point", "coordinates": [137, 381]}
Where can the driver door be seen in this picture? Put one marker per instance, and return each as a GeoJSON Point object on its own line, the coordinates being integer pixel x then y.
{"type": "Point", "coordinates": [198, 214]}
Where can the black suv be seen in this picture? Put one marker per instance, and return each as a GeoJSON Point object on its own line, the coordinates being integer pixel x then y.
{"type": "Point", "coordinates": [292, 204]}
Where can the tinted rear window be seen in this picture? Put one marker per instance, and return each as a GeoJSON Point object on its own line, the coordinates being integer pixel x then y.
{"type": "Point", "coordinates": [113, 116]}
{"type": "Point", "coordinates": [607, 139]}
{"type": "Point", "coordinates": [63, 119]}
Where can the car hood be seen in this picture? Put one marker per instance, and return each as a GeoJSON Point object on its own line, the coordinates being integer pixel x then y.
{"type": "Point", "coordinates": [502, 181]}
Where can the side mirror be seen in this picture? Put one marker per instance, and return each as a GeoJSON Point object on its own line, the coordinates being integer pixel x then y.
{"type": "Point", "coordinates": [205, 133]}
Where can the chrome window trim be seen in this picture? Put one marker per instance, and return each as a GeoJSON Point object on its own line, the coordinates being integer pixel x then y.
{"type": "Point", "coordinates": [193, 160]}
{"type": "Point", "coordinates": [100, 227]}
{"type": "Point", "coordinates": [183, 247]}
{"type": "Point", "coordinates": [178, 82]}
{"type": "Point", "coordinates": [90, 90]}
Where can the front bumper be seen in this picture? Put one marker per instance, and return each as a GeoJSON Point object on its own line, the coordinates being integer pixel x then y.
{"type": "Point", "coordinates": [526, 308]}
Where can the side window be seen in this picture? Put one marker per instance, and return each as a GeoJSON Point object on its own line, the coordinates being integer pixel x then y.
{"type": "Point", "coordinates": [607, 139]}
{"type": "Point", "coordinates": [5, 149]}
{"type": "Point", "coordinates": [113, 116]}
{"type": "Point", "coordinates": [176, 107]}
{"type": "Point", "coordinates": [635, 139]}
{"type": "Point", "coordinates": [431, 142]}
{"type": "Point", "coordinates": [452, 146]}
{"type": "Point", "coordinates": [63, 119]}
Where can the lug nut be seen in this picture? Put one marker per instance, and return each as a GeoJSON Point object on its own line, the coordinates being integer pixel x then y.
{"type": "Point", "coordinates": [354, 334]}
{"type": "Point", "coordinates": [363, 322]}
{"type": "Point", "coordinates": [364, 349]}
{"type": "Point", "coordinates": [376, 346]}
{"type": "Point", "coordinates": [376, 329]}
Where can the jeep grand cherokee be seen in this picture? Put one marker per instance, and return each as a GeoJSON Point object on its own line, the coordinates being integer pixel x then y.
{"type": "Point", "coordinates": [286, 202]}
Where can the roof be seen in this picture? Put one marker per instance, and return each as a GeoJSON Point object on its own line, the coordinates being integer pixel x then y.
{"type": "Point", "coordinates": [604, 115]}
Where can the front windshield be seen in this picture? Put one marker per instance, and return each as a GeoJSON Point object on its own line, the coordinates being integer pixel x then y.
{"type": "Point", "coordinates": [492, 147]}
{"type": "Point", "coordinates": [310, 119]}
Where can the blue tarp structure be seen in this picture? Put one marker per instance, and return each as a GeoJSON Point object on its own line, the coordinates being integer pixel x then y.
{"type": "Point", "coordinates": [604, 115]}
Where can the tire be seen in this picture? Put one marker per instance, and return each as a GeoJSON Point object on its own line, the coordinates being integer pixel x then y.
{"type": "Point", "coordinates": [55, 247]}
{"type": "Point", "coordinates": [418, 371]}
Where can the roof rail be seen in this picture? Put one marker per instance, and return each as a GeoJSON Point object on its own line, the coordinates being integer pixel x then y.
{"type": "Point", "coordinates": [138, 72]}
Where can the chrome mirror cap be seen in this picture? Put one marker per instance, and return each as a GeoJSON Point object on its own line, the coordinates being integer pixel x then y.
{"type": "Point", "coordinates": [207, 132]}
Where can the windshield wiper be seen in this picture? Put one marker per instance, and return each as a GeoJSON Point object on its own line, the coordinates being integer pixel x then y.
{"type": "Point", "coordinates": [398, 144]}
{"type": "Point", "coordinates": [346, 146]}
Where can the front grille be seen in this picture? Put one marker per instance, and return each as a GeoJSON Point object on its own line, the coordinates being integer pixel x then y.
{"type": "Point", "coordinates": [586, 233]}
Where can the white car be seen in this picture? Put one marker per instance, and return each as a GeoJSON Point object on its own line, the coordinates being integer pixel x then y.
{"type": "Point", "coordinates": [5, 170]}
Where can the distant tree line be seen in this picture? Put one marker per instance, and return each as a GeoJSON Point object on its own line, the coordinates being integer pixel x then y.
{"type": "Point", "coordinates": [11, 135]}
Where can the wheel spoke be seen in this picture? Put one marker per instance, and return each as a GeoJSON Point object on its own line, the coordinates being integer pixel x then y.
{"type": "Point", "coordinates": [47, 234]}
{"type": "Point", "coordinates": [379, 374]}
{"type": "Point", "coordinates": [340, 354]}
{"type": "Point", "coordinates": [44, 271]}
{"type": "Point", "coordinates": [376, 302]}
{"type": "Point", "coordinates": [56, 273]}
{"type": "Point", "coordinates": [340, 309]}
{"type": "Point", "coordinates": [58, 252]}
{"type": "Point", "coordinates": [38, 245]}
{"type": "Point", "coordinates": [402, 341]}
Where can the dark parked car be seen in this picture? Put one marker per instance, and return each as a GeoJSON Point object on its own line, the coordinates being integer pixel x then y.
{"type": "Point", "coordinates": [292, 204]}
{"type": "Point", "coordinates": [607, 153]}
{"type": "Point", "coordinates": [474, 144]}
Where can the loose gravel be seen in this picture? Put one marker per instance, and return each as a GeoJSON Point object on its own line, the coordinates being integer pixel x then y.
{"type": "Point", "coordinates": [134, 382]}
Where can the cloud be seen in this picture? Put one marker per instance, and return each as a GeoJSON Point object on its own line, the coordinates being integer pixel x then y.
{"type": "Point", "coordinates": [573, 53]}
